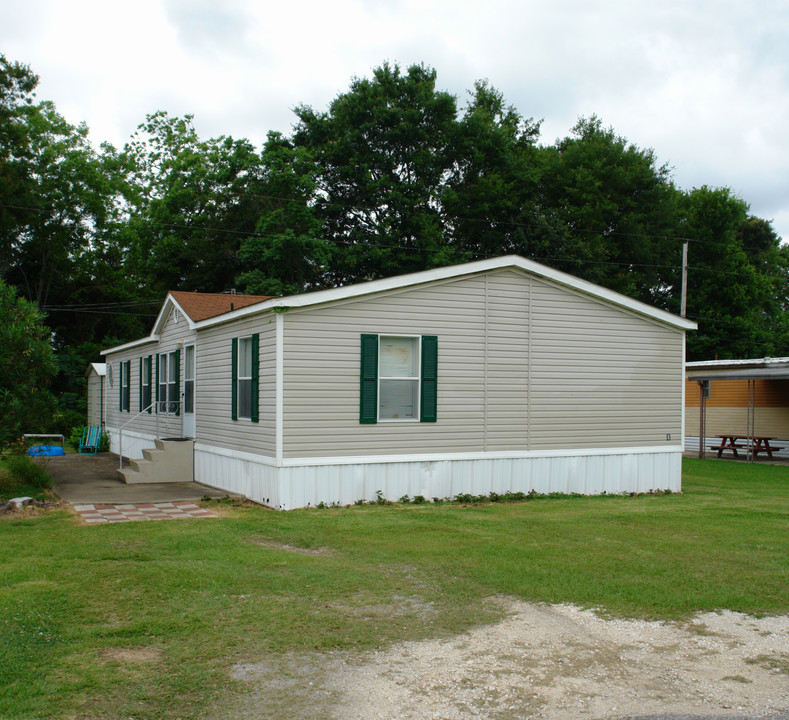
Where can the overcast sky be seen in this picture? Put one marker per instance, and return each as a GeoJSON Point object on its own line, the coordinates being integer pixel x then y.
{"type": "Point", "coordinates": [705, 83]}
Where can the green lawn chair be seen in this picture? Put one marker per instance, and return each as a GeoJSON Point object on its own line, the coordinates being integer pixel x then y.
{"type": "Point", "coordinates": [91, 438]}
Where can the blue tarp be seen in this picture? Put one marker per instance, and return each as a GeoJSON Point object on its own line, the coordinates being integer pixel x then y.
{"type": "Point", "coordinates": [48, 450]}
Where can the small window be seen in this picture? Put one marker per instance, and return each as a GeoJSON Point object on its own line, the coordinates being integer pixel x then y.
{"type": "Point", "coordinates": [172, 383]}
{"type": "Point", "coordinates": [162, 383]}
{"type": "Point", "coordinates": [145, 381]}
{"type": "Point", "coordinates": [245, 377]}
{"type": "Point", "coordinates": [398, 378]}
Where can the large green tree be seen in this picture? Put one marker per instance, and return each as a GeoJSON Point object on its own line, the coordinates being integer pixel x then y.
{"type": "Point", "coordinates": [616, 213]}
{"type": "Point", "coordinates": [491, 205]}
{"type": "Point", "coordinates": [287, 254]}
{"type": "Point", "coordinates": [55, 191]}
{"type": "Point", "coordinates": [188, 205]}
{"type": "Point", "coordinates": [737, 279]}
{"type": "Point", "coordinates": [27, 364]}
{"type": "Point", "coordinates": [383, 152]}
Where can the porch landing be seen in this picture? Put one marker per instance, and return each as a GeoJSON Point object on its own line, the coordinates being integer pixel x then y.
{"type": "Point", "coordinates": [93, 480]}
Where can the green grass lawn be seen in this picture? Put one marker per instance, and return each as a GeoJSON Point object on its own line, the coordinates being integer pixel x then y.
{"type": "Point", "coordinates": [192, 597]}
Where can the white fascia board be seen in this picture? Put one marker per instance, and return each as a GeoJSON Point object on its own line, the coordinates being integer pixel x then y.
{"type": "Point", "coordinates": [739, 364]}
{"type": "Point", "coordinates": [320, 297]}
{"type": "Point", "coordinates": [170, 301]}
{"type": "Point", "coordinates": [131, 345]}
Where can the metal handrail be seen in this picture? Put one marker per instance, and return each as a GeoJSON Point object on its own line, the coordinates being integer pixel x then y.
{"type": "Point", "coordinates": [155, 405]}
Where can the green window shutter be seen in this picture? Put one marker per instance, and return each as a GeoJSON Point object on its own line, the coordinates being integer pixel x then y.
{"type": "Point", "coordinates": [141, 406]}
{"type": "Point", "coordinates": [120, 386]}
{"type": "Point", "coordinates": [368, 389]}
{"type": "Point", "coordinates": [255, 412]}
{"type": "Point", "coordinates": [234, 379]}
{"type": "Point", "coordinates": [150, 373]}
{"type": "Point", "coordinates": [178, 382]}
{"type": "Point", "coordinates": [429, 403]}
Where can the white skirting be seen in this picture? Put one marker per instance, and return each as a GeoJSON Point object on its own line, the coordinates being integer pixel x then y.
{"type": "Point", "coordinates": [304, 485]}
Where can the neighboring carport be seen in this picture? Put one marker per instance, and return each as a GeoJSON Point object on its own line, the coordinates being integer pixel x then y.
{"type": "Point", "coordinates": [748, 401]}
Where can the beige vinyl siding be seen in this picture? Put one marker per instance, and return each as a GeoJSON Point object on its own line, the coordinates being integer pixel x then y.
{"type": "Point", "coordinates": [175, 332]}
{"type": "Point", "coordinates": [213, 388]}
{"type": "Point", "coordinates": [321, 372]}
{"type": "Point", "coordinates": [523, 365]}
{"type": "Point", "coordinates": [114, 417]}
{"type": "Point", "coordinates": [174, 336]}
{"type": "Point", "coordinates": [600, 376]}
{"type": "Point", "coordinates": [507, 373]}
{"type": "Point", "coordinates": [94, 398]}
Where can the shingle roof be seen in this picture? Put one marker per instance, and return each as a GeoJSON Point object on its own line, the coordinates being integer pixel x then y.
{"type": "Point", "coordinates": [201, 306]}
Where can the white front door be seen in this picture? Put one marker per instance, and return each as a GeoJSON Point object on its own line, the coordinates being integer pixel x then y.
{"type": "Point", "coordinates": [189, 391]}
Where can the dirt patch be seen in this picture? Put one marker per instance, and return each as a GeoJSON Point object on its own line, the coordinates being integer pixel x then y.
{"type": "Point", "coordinates": [136, 655]}
{"type": "Point", "coordinates": [541, 662]}
{"type": "Point", "coordinates": [272, 545]}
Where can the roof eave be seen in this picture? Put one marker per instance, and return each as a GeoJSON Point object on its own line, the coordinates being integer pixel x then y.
{"type": "Point", "coordinates": [320, 297]}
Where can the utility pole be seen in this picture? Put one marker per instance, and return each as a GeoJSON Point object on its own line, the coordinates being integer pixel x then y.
{"type": "Point", "coordinates": [684, 302]}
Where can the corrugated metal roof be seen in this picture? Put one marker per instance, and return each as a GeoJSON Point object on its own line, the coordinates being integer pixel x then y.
{"type": "Point", "coordinates": [767, 367]}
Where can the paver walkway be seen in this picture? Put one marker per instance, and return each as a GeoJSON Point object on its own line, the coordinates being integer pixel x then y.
{"type": "Point", "coordinates": [99, 514]}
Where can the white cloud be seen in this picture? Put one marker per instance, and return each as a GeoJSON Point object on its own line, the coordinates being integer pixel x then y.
{"type": "Point", "coordinates": [705, 83]}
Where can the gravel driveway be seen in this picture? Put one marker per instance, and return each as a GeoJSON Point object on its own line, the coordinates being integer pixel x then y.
{"type": "Point", "coordinates": [542, 662]}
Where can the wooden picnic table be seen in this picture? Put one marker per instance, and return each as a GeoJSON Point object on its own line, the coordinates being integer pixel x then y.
{"type": "Point", "coordinates": [760, 443]}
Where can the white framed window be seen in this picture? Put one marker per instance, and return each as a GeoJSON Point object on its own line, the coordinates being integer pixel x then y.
{"type": "Point", "coordinates": [244, 377]}
{"type": "Point", "coordinates": [172, 382]}
{"type": "Point", "coordinates": [398, 377]}
{"type": "Point", "coordinates": [169, 381]}
{"type": "Point", "coordinates": [162, 375]}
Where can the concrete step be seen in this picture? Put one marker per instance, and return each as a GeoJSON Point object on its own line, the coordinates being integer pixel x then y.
{"type": "Point", "coordinates": [170, 461]}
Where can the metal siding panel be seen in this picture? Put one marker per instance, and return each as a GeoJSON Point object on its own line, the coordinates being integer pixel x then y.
{"type": "Point", "coordinates": [588, 475]}
{"type": "Point", "coordinates": [215, 426]}
{"type": "Point", "coordinates": [321, 366]}
{"type": "Point", "coordinates": [507, 373]}
{"type": "Point", "coordinates": [600, 376]}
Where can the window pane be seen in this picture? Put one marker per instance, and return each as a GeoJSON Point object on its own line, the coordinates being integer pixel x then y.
{"type": "Point", "coordinates": [189, 363]}
{"type": "Point", "coordinates": [173, 367]}
{"type": "Point", "coordinates": [398, 357]}
{"type": "Point", "coordinates": [189, 396]}
{"type": "Point", "coordinates": [245, 357]}
{"type": "Point", "coordinates": [398, 399]}
{"type": "Point", "coordinates": [244, 398]}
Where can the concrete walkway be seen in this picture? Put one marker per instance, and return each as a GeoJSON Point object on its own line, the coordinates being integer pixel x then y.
{"type": "Point", "coordinates": [93, 480]}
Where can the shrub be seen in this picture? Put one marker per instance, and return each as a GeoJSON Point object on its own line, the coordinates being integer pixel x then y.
{"type": "Point", "coordinates": [76, 437]}
{"type": "Point", "coordinates": [25, 471]}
